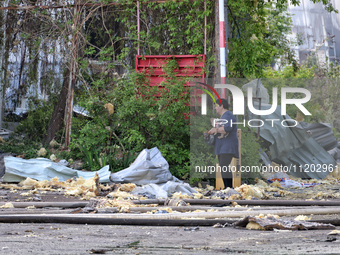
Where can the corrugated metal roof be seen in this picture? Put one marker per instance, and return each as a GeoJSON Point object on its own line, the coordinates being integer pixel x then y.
{"type": "Point", "coordinates": [295, 148]}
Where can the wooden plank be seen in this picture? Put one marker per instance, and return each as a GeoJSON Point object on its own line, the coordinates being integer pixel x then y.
{"type": "Point", "coordinates": [219, 181]}
{"type": "Point", "coordinates": [237, 162]}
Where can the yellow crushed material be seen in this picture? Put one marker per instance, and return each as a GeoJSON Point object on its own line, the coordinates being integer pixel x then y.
{"type": "Point", "coordinates": [26, 194]}
{"type": "Point", "coordinates": [334, 232]}
{"type": "Point", "coordinates": [249, 191]}
{"type": "Point", "coordinates": [234, 197]}
{"type": "Point", "coordinates": [254, 226]}
{"type": "Point", "coordinates": [323, 195]}
{"type": "Point", "coordinates": [30, 207]}
{"type": "Point", "coordinates": [180, 195]}
{"type": "Point", "coordinates": [122, 205]}
{"type": "Point", "coordinates": [262, 216]}
{"type": "Point", "coordinates": [276, 184]}
{"type": "Point", "coordinates": [212, 210]}
{"type": "Point", "coordinates": [7, 206]}
{"type": "Point", "coordinates": [128, 187]}
{"type": "Point", "coordinates": [90, 194]}
{"type": "Point", "coordinates": [198, 196]}
{"type": "Point", "coordinates": [214, 197]}
{"type": "Point", "coordinates": [54, 144]}
{"type": "Point", "coordinates": [169, 210]}
{"type": "Point", "coordinates": [273, 215]}
{"type": "Point", "coordinates": [271, 189]}
{"type": "Point", "coordinates": [42, 152]}
{"type": "Point", "coordinates": [261, 183]}
{"type": "Point", "coordinates": [302, 217]}
{"type": "Point", "coordinates": [122, 194]}
{"type": "Point", "coordinates": [210, 187]}
{"type": "Point", "coordinates": [53, 157]}
{"type": "Point", "coordinates": [336, 172]}
{"type": "Point", "coordinates": [74, 191]}
{"type": "Point", "coordinates": [10, 186]}
{"type": "Point", "coordinates": [28, 183]}
{"type": "Point", "coordinates": [285, 193]}
{"type": "Point", "coordinates": [72, 187]}
{"type": "Point", "coordinates": [234, 204]}
{"type": "Point", "coordinates": [110, 108]}
{"type": "Point", "coordinates": [225, 191]}
{"type": "Point", "coordinates": [105, 187]}
{"type": "Point", "coordinates": [200, 190]}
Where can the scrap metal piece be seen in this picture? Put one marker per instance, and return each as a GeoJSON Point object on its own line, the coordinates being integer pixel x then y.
{"type": "Point", "coordinates": [270, 222]}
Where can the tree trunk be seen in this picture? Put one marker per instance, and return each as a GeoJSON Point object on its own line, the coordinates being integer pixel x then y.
{"type": "Point", "coordinates": [2, 61]}
{"type": "Point", "coordinates": [57, 119]}
{"type": "Point", "coordinates": [72, 79]}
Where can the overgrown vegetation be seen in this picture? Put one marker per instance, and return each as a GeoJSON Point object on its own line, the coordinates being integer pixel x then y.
{"type": "Point", "coordinates": [106, 47]}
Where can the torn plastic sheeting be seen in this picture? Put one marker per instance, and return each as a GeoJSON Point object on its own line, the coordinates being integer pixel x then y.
{"type": "Point", "coordinates": [164, 190]}
{"type": "Point", "coordinates": [18, 169]}
{"type": "Point", "coordinates": [149, 167]}
{"type": "Point", "coordinates": [151, 190]}
{"type": "Point", "coordinates": [293, 147]}
{"type": "Point", "coordinates": [286, 182]}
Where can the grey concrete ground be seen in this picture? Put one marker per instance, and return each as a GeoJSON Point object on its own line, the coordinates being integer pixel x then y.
{"type": "Point", "coordinates": [106, 239]}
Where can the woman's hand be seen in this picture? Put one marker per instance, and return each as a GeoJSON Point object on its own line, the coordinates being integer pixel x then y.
{"type": "Point", "coordinates": [212, 131]}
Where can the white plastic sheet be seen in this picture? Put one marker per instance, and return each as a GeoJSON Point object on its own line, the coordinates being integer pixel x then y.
{"type": "Point", "coordinates": [18, 169]}
{"type": "Point", "coordinates": [164, 190]}
{"type": "Point", "coordinates": [151, 170]}
{"type": "Point", "coordinates": [149, 167]}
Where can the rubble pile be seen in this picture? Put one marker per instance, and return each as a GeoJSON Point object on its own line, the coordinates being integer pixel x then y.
{"type": "Point", "coordinates": [91, 188]}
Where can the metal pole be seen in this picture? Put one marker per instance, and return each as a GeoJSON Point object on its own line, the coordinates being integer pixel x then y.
{"type": "Point", "coordinates": [226, 37]}
{"type": "Point", "coordinates": [205, 27]}
{"type": "Point", "coordinates": [222, 48]}
{"type": "Point", "coordinates": [138, 26]}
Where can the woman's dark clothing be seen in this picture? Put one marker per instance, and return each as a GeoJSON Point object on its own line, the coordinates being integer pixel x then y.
{"type": "Point", "coordinates": [227, 147]}
{"type": "Point", "coordinates": [227, 176]}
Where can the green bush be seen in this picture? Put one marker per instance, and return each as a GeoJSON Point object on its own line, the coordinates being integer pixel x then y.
{"type": "Point", "coordinates": [36, 124]}
{"type": "Point", "coordinates": [250, 151]}
{"type": "Point", "coordinates": [144, 117]}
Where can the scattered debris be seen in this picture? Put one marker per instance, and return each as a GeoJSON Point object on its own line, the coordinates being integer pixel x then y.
{"type": "Point", "coordinates": [110, 108]}
{"type": "Point", "coordinates": [42, 152]}
{"type": "Point", "coordinates": [334, 232]}
{"type": "Point", "coordinates": [302, 217]}
{"type": "Point", "coordinates": [41, 169]}
{"type": "Point", "coordinates": [7, 206]}
{"type": "Point", "coordinates": [281, 179]}
{"type": "Point", "coordinates": [270, 222]}
{"type": "Point", "coordinates": [192, 229]}
{"type": "Point", "coordinates": [53, 157]}
{"type": "Point", "coordinates": [249, 191]}
{"type": "Point", "coordinates": [54, 144]}
{"type": "Point", "coordinates": [175, 202]}
{"type": "Point", "coordinates": [331, 239]}
{"type": "Point", "coordinates": [219, 225]}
